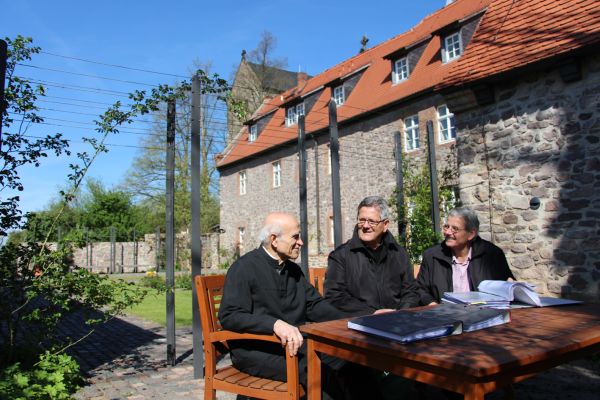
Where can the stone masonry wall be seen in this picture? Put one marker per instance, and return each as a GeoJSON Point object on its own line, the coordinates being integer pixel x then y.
{"type": "Point", "coordinates": [367, 167]}
{"type": "Point", "coordinates": [97, 256]}
{"type": "Point", "coordinates": [541, 138]}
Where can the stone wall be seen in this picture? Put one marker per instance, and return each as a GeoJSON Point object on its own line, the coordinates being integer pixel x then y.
{"type": "Point", "coordinates": [141, 256]}
{"type": "Point", "coordinates": [367, 167]}
{"type": "Point", "coordinates": [541, 138]}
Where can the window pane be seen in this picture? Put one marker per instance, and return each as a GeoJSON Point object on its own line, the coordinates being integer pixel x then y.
{"type": "Point", "coordinates": [411, 127]}
{"type": "Point", "coordinates": [401, 70]}
{"type": "Point", "coordinates": [447, 130]}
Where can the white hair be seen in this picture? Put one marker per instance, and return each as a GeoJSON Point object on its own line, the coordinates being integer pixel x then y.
{"type": "Point", "coordinates": [264, 236]}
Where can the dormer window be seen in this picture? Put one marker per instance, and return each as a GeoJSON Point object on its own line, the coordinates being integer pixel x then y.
{"type": "Point", "coordinates": [253, 134]}
{"type": "Point", "coordinates": [339, 96]}
{"type": "Point", "coordinates": [400, 72]}
{"type": "Point", "coordinates": [452, 48]}
{"type": "Point", "coordinates": [292, 114]}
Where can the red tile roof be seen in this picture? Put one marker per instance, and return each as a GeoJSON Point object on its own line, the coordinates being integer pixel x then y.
{"type": "Point", "coordinates": [511, 33]}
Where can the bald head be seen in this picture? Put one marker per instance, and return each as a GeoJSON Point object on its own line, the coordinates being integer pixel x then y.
{"type": "Point", "coordinates": [280, 235]}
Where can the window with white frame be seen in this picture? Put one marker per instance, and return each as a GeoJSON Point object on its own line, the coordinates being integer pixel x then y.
{"type": "Point", "coordinates": [292, 114]}
{"type": "Point", "coordinates": [446, 125]}
{"type": "Point", "coordinates": [339, 95]}
{"type": "Point", "coordinates": [452, 47]}
{"type": "Point", "coordinates": [253, 133]}
{"type": "Point", "coordinates": [276, 174]}
{"type": "Point", "coordinates": [411, 132]}
{"type": "Point", "coordinates": [329, 160]}
{"type": "Point", "coordinates": [401, 71]}
{"type": "Point", "coordinates": [243, 181]}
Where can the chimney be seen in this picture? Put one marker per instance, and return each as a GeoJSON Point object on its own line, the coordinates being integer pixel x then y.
{"type": "Point", "coordinates": [302, 78]}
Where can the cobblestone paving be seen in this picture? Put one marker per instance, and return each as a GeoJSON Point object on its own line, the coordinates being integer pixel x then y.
{"type": "Point", "coordinates": [126, 359]}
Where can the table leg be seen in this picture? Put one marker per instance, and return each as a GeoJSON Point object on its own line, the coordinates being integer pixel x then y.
{"type": "Point", "coordinates": [314, 372]}
{"type": "Point", "coordinates": [474, 392]}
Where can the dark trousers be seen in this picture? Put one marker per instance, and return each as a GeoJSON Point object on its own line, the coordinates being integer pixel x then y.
{"type": "Point", "coordinates": [339, 379]}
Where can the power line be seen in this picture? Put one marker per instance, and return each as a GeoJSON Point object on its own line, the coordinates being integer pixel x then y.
{"type": "Point", "coordinates": [114, 65]}
{"type": "Point", "coordinates": [86, 75]}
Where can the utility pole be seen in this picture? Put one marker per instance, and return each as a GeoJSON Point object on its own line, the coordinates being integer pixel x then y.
{"type": "Point", "coordinates": [335, 174]}
{"type": "Point", "coordinates": [303, 199]}
{"type": "Point", "coordinates": [196, 239]}
{"type": "Point", "coordinates": [3, 60]}
{"type": "Point", "coordinates": [170, 232]}
{"type": "Point", "coordinates": [435, 209]}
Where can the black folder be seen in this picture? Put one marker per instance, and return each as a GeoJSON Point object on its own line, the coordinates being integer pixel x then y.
{"type": "Point", "coordinates": [441, 320]}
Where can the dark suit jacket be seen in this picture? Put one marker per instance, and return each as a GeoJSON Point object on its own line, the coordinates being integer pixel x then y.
{"type": "Point", "coordinates": [435, 276]}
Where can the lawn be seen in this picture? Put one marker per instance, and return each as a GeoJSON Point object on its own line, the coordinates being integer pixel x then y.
{"type": "Point", "coordinates": [154, 308]}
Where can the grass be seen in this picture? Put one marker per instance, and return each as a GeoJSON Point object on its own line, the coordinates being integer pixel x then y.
{"type": "Point", "coordinates": [154, 308]}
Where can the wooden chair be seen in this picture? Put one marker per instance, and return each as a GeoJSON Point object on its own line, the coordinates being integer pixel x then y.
{"type": "Point", "coordinates": [209, 291]}
{"type": "Point", "coordinates": [316, 276]}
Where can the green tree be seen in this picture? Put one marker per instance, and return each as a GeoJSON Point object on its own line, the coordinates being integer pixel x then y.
{"type": "Point", "coordinates": [417, 211]}
{"type": "Point", "coordinates": [37, 287]}
{"type": "Point", "coordinates": [146, 179]}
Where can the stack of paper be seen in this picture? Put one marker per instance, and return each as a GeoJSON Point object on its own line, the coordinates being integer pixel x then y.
{"type": "Point", "coordinates": [504, 294]}
{"type": "Point", "coordinates": [481, 299]}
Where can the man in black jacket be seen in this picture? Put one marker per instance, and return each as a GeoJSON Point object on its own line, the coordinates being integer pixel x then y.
{"type": "Point", "coordinates": [461, 261]}
{"type": "Point", "coordinates": [266, 292]}
{"type": "Point", "coordinates": [371, 272]}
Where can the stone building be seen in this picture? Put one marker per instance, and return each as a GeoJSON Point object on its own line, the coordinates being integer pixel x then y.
{"type": "Point", "coordinates": [512, 90]}
{"type": "Point", "coordinates": [253, 82]}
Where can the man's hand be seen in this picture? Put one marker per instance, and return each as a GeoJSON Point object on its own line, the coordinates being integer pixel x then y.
{"type": "Point", "coordinates": [288, 334]}
{"type": "Point", "coordinates": [383, 311]}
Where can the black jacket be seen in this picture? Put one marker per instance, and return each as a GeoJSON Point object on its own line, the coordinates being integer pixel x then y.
{"type": "Point", "coordinates": [435, 276]}
{"type": "Point", "coordinates": [358, 284]}
{"type": "Point", "coordinates": [256, 294]}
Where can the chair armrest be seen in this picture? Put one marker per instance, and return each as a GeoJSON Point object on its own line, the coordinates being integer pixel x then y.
{"type": "Point", "coordinates": [220, 336]}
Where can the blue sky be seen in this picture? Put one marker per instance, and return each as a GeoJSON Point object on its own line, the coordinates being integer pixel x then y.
{"type": "Point", "coordinates": [167, 37]}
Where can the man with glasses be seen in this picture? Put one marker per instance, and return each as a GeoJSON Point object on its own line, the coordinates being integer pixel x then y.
{"type": "Point", "coordinates": [371, 272]}
{"type": "Point", "coordinates": [461, 261]}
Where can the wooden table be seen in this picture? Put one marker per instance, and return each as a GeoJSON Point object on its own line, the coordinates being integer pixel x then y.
{"type": "Point", "coordinates": [472, 363]}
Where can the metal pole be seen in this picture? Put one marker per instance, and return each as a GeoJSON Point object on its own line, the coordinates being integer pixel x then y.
{"type": "Point", "coordinates": [3, 59]}
{"type": "Point", "coordinates": [196, 239]}
{"type": "Point", "coordinates": [399, 186]}
{"type": "Point", "coordinates": [170, 233]}
{"type": "Point", "coordinates": [157, 247]}
{"type": "Point", "coordinates": [87, 248]}
{"type": "Point", "coordinates": [113, 252]}
{"type": "Point", "coordinates": [303, 199]}
{"type": "Point", "coordinates": [135, 251]}
{"type": "Point", "coordinates": [435, 209]}
{"type": "Point", "coordinates": [335, 174]}
{"type": "Point", "coordinates": [317, 197]}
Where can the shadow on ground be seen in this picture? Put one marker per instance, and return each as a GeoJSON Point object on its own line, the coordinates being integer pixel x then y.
{"type": "Point", "coordinates": [117, 342]}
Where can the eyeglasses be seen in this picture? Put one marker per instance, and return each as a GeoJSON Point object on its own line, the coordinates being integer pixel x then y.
{"type": "Point", "coordinates": [452, 229]}
{"type": "Point", "coordinates": [361, 222]}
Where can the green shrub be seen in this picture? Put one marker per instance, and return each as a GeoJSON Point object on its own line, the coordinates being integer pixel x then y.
{"type": "Point", "coordinates": [55, 376]}
{"type": "Point", "coordinates": [153, 281]}
{"type": "Point", "coordinates": [183, 281]}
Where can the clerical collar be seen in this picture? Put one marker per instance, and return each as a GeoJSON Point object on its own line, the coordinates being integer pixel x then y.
{"type": "Point", "coordinates": [280, 263]}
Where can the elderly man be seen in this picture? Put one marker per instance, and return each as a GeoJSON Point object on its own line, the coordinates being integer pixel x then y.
{"type": "Point", "coordinates": [265, 292]}
{"type": "Point", "coordinates": [371, 272]}
{"type": "Point", "coordinates": [461, 261]}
